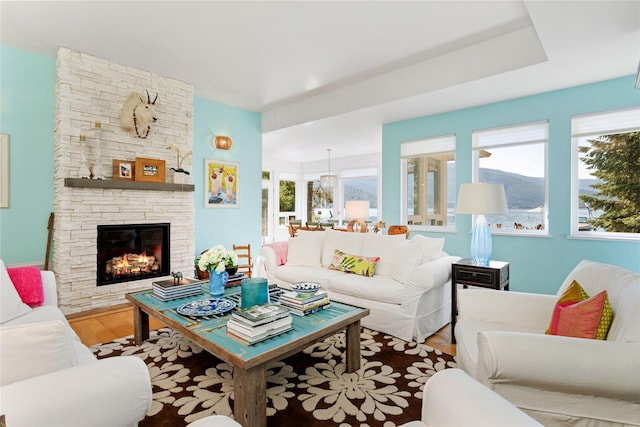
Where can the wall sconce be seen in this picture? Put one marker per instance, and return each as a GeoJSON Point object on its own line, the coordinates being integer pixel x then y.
{"type": "Point", "coordinates": [222, 142]}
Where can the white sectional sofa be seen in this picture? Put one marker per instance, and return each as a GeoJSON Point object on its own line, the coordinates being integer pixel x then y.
{"type": "Point", "coordinates": [409, 296]}
{"type": "Point", "coordinates": [49, 378]}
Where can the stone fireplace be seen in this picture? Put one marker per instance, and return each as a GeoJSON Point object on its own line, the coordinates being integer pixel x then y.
{"type": "Point", "coordinates": [88, 90]}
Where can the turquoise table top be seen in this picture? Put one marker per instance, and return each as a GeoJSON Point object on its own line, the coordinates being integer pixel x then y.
{"type": "Point", "coordinates": [213, 328]}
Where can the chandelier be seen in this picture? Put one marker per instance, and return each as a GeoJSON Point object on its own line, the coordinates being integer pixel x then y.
{"type": "Point", "coordinates": [328, 180]}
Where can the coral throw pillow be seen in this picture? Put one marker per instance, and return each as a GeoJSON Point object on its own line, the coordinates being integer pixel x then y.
{"type": "Point", "coordinates": [577, 315]}
{"type": "Point", "coordinates": [28, 283]}
{"type": "Point", "coordinates": [361, 265]}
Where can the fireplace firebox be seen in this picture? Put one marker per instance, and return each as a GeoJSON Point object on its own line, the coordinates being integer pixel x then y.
{"type": "Point", "coordinates": [129, 252]}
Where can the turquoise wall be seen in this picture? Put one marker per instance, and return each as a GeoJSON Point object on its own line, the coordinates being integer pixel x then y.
{"type": "Point", "coordinates": [227, 226]}
{"type": "Point", "coordinates": [538, 264]}
{"type": "Point", "coordinates": [27, 114]}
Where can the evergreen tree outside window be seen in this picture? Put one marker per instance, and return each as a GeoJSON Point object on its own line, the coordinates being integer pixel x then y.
{"type": "Point", "coordinates": [606, 183]}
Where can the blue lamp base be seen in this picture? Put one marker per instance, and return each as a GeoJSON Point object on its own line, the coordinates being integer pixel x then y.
{"type": "Point", "coordinates": [481, 241]}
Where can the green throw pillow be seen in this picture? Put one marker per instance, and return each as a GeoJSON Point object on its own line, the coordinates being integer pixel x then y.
{"type": "Point", "coordinates": [361, 265]}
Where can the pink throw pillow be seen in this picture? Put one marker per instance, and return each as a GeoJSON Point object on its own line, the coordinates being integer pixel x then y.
{"type": "Point", "coordinates": [28, 283]}
{"type": "Point", "coordinates": [581, 320]}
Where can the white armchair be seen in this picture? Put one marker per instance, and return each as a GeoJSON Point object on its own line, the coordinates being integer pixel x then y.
{"type": "Point", "coordinates": [558, 380]}
{"type": "Point", "coordinates": [49, 378]}
{"type": "Point", "coordinates": [452, 398]}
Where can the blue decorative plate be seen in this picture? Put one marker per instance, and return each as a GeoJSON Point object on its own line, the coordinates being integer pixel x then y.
{"type": "Point", "coordinates": [305, 287]}
{"type": "Point", "coordinates": [206, 307]}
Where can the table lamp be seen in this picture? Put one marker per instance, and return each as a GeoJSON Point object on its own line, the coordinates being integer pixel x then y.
{"type": "Point", "coordinates": [481, 199]}
{"type": "Point", "coordinates": [356, 209]}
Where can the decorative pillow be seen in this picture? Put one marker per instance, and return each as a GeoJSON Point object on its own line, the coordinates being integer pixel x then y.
{"type": "Point", "coordinates": [431, 247]}
{"type": "Point", "coordinates": [34, 349]}
{"type": "Point", "coordinates": [383, 246]}
{"type": "Point", "coordinates": [573, 295]}
{"type": "Point", "coordinates": [305, 249]}
{"type": "Point", "coordinates": [11, 305]}
{"type": "Point", "coordinates": [582, 319]}
{"type": "Point", "coordinates": [405, 259]}
{"type": "Point", "coordinates": [28, 283]}
{"type": "Point", "coordinates": [348, 242]}
{"type": "Point", "coordinates": [361, 265]}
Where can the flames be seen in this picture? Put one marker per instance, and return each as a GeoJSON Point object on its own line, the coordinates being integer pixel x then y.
{"type": "Point", "coordinates": [132, 265]}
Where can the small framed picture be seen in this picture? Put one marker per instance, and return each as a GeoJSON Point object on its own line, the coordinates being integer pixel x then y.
{"type": "Point", "coordinates": [221, 184]}
{"type": "Point", "coordinates": [124, 170]}
{"type": "Point", "coordinates": [149, 170]}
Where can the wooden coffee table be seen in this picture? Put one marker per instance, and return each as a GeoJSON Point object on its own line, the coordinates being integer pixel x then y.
{"type": "Point", "coordinates": [249, 362]}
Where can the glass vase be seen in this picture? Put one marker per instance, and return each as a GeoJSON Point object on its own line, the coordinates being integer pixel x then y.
{"type": "Point", "coordinates": [217, 282]}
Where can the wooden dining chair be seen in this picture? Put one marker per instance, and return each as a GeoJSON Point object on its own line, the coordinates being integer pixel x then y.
{"type": "Point", "coordinates": [244, 259]}
{"type": "Point", "coordinates": [398, 229]}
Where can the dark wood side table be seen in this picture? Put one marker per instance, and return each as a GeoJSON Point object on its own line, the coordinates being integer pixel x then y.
{"type": "Point", "coordinates": [466, 273]}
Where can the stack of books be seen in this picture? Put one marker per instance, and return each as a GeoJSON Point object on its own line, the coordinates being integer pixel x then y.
{"type": "Point", "coordinates": [258, 323]}
{"type": "Point", "coordinates": [235, 280]}
{"type": "Point", "coordinates": [166, 290]}
{"type": "Point", "coordinates": [302, 304]}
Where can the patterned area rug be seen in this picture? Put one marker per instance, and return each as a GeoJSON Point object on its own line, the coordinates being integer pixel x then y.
{"type": "Point", "coordinates": [310, 388]}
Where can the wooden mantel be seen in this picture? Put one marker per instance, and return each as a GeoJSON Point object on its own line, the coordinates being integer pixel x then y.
{"type": "Point", "coordinates": [125, 185]}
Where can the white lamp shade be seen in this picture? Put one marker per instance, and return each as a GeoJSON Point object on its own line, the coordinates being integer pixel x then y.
{"type": "Point", "coordinates": [356, 209]}
{"type": "Point", "coordinates": [482, 199]}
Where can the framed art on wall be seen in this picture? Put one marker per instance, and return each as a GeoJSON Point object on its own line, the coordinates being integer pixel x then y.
{"type": "Point", "coordinates": [149, 170]}
{"type": "Point", "coordinates": [4, 170]}
{"type": "Point", "coordinates": [221, 184]}
{"type": "Point", "coordinates": [124, 170]}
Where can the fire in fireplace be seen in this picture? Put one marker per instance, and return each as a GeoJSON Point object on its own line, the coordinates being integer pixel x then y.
{"type": "Point", "coordinates": [132, 252]}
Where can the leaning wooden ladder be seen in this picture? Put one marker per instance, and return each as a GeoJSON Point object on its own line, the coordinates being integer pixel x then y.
{"type": "Point", "coordinates": [244, 259]}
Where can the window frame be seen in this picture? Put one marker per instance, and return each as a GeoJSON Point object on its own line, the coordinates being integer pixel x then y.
{"type": "Point", "coordinates": [522, 134]}
{"type": "Point", "coordinates": [422, 148]}
{"type": "Point", "coordinates": [618, 121]}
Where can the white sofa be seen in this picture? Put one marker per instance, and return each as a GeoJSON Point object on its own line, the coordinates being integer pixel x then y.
{"type": "Point", "coordinates": [409, 295]}
{"type": "Point", "coordinates": [558, 380]}
{"type": "Point", "coordinates": [49, 378]}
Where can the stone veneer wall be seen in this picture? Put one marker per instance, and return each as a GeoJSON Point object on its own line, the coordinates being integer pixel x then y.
{"type": "Point", "coordinates": [90, 89]}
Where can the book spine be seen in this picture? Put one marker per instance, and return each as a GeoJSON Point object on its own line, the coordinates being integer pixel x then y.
{"type": "Point", "coordinates": [310, 311]}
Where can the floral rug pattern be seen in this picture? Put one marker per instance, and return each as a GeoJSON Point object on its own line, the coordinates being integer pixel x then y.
{"type": "Point", "coordinates": [311, 387]}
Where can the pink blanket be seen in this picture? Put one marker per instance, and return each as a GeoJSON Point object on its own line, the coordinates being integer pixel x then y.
{"type": "Point", "coordinates": [281, 249]}
{"type": "Point", "coordinates": [28, 283]}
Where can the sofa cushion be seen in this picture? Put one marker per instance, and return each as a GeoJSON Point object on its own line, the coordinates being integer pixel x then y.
{"type": "Point", "coordinates": [406, 258]}
{"type": "Point", "coordinates": [305, 249]}
{"type": "Point", "coordinates": [431, 247]}
{"type": "Point", "coordinates": [350, 243]}
{"type": "Point", "coordinates": [356, 264]}
{"type": "Point", "coordinates": [33, 349]}
{"type": "Point", "coordinates": [376, 288]}
{"type": "Point", "coordinates": [28, 283]}
{"type": "Point", "coordinates": [292, 274]}
{"type": "Point", "coordinates": [384, 247]}
{"type": "Point", "coordinates": [11, 305]}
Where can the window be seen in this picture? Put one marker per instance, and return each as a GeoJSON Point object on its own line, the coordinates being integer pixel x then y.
{"type": "Point", "coordinates": [287, 200]}
{"type": "Point", "coordinates": [319, 202]}
{"type": "Point", "coordinates": [429, 171]}
{"type": "Point", "coordinates": [605, 183]}
{"type": "Point", "coordinates": [361, 184]}
{"type": "Point", "coordinates": [515, 156]}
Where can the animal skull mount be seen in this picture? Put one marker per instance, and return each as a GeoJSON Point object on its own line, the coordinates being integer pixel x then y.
{"type": "Point", "coordinates": [137, 115]}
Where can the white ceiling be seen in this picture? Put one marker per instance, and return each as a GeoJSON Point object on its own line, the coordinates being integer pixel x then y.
{"type": "Point", "coordinates": [328, 74]}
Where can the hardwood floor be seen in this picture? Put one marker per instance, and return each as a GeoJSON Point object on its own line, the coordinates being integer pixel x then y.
{"type": "Point", "coordinates": [102, 326]}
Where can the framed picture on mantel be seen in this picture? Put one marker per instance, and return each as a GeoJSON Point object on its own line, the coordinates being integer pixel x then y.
{"type": "Point", "coordinates": [124, 170]}
{"type": "Point", "coordinates": [149, 170]}
{"type": "Point", "coordinates": [221, 184]}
